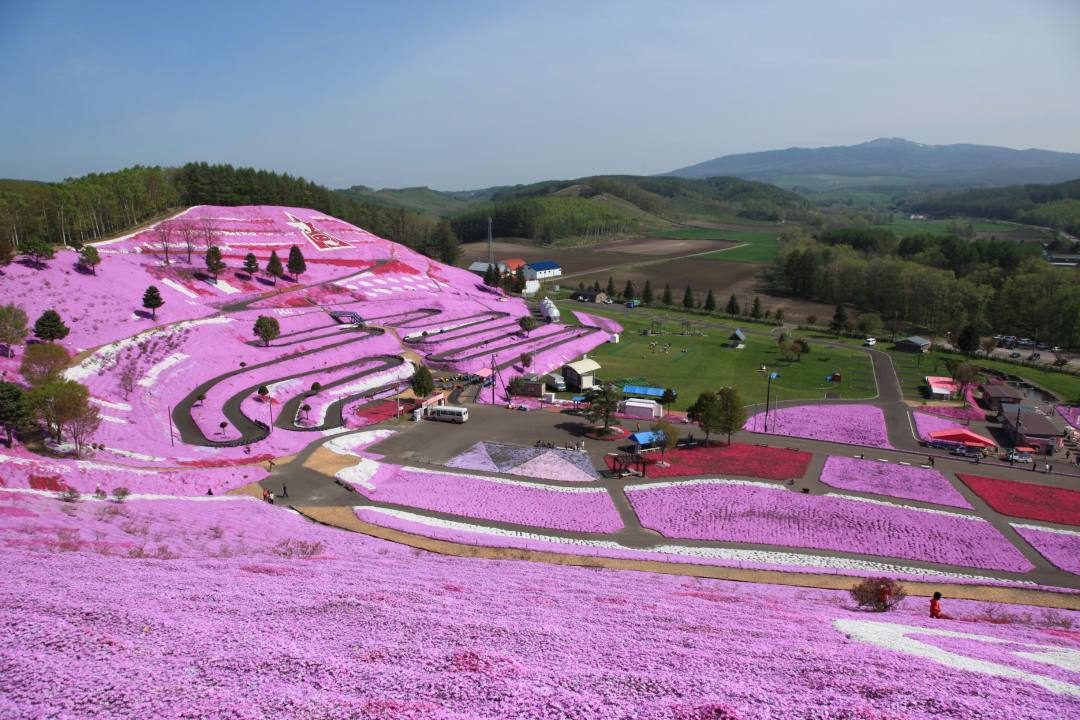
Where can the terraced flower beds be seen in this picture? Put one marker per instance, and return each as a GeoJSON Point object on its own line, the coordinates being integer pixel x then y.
{"type": "Point", "coordinates": [749, 512]}
{"type": "Point", "coordinates": [842, 423]}
{"type": "Point", "coordinates": [1023, 500]}
{"type": "Point", "coordinates": [496, 500]}
{"type": "Point", "coordinates": [336, 624]}
{"type": "Point", "coordinates": [900, 481]}
{"type": "Point", "coordinates": [1071, 414]}
{"type": "Point", "coordinates": [1061, 547]}
{"type": "Point", "coordinates": [546, 463]}
{"type": "Point", "coordinates": [736, 459]}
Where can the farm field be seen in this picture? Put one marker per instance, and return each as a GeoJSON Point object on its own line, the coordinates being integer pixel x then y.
{"type": "Point", "coordinates": [902, 226]}
{"type": "Point", "coordinates": [709, 364]}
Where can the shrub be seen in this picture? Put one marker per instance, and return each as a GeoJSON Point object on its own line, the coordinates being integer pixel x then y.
{"type": "Point", "coordinates": [120, 494]}
{"type": "Point", "coordinates": [99, 494]}
{"type": "Point", "coordinates": [299, 548]}
{"type": "Point", "coordinates": [70, 495]}
{"type": "Point", "coordinates": [878, 594]}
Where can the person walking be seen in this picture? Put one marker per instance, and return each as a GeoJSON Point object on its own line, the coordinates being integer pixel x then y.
{"type": "Point", "coordinates": [284, 490]}
{"type": "Point", "coordinates": [271, 496]}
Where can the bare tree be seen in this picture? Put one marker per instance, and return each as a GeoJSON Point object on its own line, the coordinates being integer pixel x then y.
{"type": "Point", "coordinates": [163, 232]}
{"type": "Point", "coordinates": [83, 425]}
{"type": "Point", "coordinates": [190, 235]}
{"type": "Point", "coordinates": [208, 235]}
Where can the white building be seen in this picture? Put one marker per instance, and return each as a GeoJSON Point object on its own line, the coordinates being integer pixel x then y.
{"type": "Point", "coordinates": [642, 409]}
{"type": "Point", "coordinates": [580, 375]}
{"type": "Point", "coordinates": [543, 270]}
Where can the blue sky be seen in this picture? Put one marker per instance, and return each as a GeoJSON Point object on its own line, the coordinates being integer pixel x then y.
{"type": "Point", "coordinates": [470, 94]}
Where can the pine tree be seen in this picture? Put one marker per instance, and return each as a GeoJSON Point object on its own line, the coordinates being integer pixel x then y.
{"type": "Point", "coordinates": [152, 300]}
{"type": "Point", "coordinates": [755, 309]}
{"type": "Point", "coordinates": [666, 298]}
{"type": "Point", "coordinates": [251, 264]}
{"type": "Point", "coordinates": [732, 306]}
{"type": "Point", "coordinates": [443, 243]}
{"type": "Point", "coordinates": [422, 382]}
{"type": "Point", "coordinates": [296, 264]}
{"type": "Point", "coordinates": [273, 266]}
{"type": "Point", "coordinates": [610, 287]}
{"type": "Point", "coordinates": [629, 292]}
{"type": "Point", "coordinates": [688, 298]}
{"type": "Point", "coordinates": [839, 320]}
{"type": "Point", "coordinates": [90, 258]}
{"type": "Point", "coordinates": [50, 327]}
{"type": "Point", "coordinates": [214, 263]}
{"type": "Point", "coordinates": [646, 293]}
{"type": "Point", "coordinates": [519, 280]}
{"type": "Point", "coordinates": [266, 329]}
{"type": "Point", "coordinates": [710, 302]}
{"type": "Point", "coordinates": [596, 286]}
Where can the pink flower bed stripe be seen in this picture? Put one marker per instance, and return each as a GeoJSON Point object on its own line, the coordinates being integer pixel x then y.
{"type": "Point", "coordinates": [1061, 547]}
{"type": "Point", "coordinates": [926, 424]}
{"type": "Point", "coordinates": [901, 481]}
{"type": "Point", "coordinates": [1071, 414]}
{"type": "Point", "coordinates": [497, 500]}
{"type": "Point", "coordinates": [852, 424]}
{"type": "Point", "coordinates": [734, 511]}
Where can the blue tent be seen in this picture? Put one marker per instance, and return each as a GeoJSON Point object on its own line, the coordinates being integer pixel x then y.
{"type": "Point", "coordinates": [652, 392]}
{"type": "Point", "coordinates": [647, 437]}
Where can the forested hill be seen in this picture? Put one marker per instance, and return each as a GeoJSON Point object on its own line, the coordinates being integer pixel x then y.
{"type": "Point", "coordinates": [95, 206]}
{"type": "Point", "coordinates": [615, 204]}
{"type": "Point", "coordinates": [1056, 206]}
{"type": "Point", "coordinates": [897, 161]}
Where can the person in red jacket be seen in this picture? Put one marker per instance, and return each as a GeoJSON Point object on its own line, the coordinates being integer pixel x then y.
{"type": "Point", "coordinates": [935, 608]}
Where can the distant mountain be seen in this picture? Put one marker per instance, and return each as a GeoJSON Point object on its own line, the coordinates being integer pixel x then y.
{"type": "Point", "coordinates": [892, 162]}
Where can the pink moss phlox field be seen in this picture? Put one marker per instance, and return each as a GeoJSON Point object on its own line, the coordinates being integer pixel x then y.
{"type": "Point", "coordinates": [334, 624]}
{"type": "Point", "coordinates": [901, 481]}
{"type": "Point", "coordinates": [1061, 547]}
{"type": "Point", "coordinates": [926, 424]}
{"type": "Point", "coordinates": [852, 424]}
{"type": "Point", "coordinates": [606, 324]}
{"type": "Point", "coordinates": [496, 500]}
{"type": "Point", "coordinates": [737, 511]}
{"type": "Point", "coordinates": [1071, 413]}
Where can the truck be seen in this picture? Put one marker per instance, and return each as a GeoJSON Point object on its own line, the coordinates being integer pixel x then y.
{"type": "Point", "coordinates": [633, 303]}
{"type": "Point", "coordinates": [555, 381]}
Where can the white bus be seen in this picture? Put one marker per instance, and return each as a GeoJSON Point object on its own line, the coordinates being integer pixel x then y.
{"type": "Point", "coordinates": [448, 413]}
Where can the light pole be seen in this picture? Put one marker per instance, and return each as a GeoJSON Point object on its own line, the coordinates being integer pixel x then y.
{"type": "Point", "coordinates": [768, 395]}
{"type": "Point", "coordinates": [270, 407]}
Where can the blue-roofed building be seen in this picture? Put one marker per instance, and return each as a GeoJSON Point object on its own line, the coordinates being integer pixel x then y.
{"type": "Point", "coordinates": [543, 270]}
{"type": "Point", "coordinates": [647, 437]}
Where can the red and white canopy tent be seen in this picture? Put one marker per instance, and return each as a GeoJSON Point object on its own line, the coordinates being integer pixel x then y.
{"type": "Point", "coordinates": [963, 437]}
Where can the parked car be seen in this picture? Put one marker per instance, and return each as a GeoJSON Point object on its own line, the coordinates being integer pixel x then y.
{"type": "Point", "coordinates": [1014, 355]}
{"type": "Point", "coordinates": [967, 452]}
{"type": "Point", "coordinates": [1013, 456]}
{"type": "Point", "coordinates": [870, 342]}
{"type": "Point", "coordinates": [632, 303]}
{"type": "Point", "coordinates": [1035, 356]}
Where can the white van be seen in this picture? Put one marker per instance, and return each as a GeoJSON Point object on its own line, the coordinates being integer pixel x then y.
{"type": "Point", "coordinates": [870, 342]}
{"type": "Point", "coordinates": [555, 382]}
{"type": "Point", "coordinates": [448, 413]}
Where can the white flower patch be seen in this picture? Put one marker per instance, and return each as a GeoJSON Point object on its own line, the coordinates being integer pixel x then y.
{"type": "Point", "coordinates": [360, 473]}
{"type": "Point", "coordinates": [705, 481]}
{"type": "Point", "coordinates": [1059, 531]}
{"type": "Point", "coordinates": [107, 354]}
{"type": "Point", "coordinates": [151, 376]}
{"type": "Point", "coordinates": [226, 287]}
{"type": "Point", "coordinates": [352, 443]}
{"type": "Point", "coordinates": [179, 288]}
{"type": "Point", "coordinates": [111, 419]}
{"type": "Point", "coordinates": [111, 405]}
{"type": "Point", "coordinates": [505, 481]}
{"type": "Point", "coordinates": [965, 516]}
{"type": "Point", "coordinates": [135, 455]}
{"type": "Point", "coordinates": [897, 638]}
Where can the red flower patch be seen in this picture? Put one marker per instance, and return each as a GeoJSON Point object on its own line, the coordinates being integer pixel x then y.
{"type": "Point", "coordinates": [380, 411]}
{"type": "Point", "coordinates": [735, 459]}
{"type": "Point", "coordinates": [48, 482]}
{"type": "Point", "coordinates": [394, 266]}
{"type": "Point", "coordinates": [226, 462]}
{"type": "Point", "coordinates": [1034, 502]}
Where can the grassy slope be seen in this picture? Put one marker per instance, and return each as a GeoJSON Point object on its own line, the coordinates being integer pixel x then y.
{"type": "Point", "coordinates": [761, 246]}
{"type": "Point", "coordinates": [709, 364]}
{"type": "Point", "coordinates": [903, 227]}
{"type": "Point", "coordinates": [418, 199]}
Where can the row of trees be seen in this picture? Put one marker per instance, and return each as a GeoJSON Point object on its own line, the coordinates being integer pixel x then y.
{"type": "Point", "coordinates": [756, 311]}
{"type": "Point", "coordinates": [80, 210]}
{"type": "Point", "coordinates": [1035, 300]}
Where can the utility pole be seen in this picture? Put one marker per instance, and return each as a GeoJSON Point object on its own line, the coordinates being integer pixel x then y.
{"type": "Point", "coordinates": [172, 440]}
{"type": "Point", "coordinates": [768, 395]}
{"type": "Point", "coordinates": [270, 407]}
{"type": "Point", "coordinates": [491, 245]}
{"type": "Point", "coordinates": [493, 376]}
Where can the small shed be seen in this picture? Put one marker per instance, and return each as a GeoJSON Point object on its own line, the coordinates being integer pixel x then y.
{"type": "Point", "coordinates": [999, 397]}
{"type": "Point", "coordinates": [913, 344]}
{"type": "Point", "coordinates": [479, 267]}
{"type": "Point", "coordinates": [580, 375]}
{"type": "Point", "coordinates": [532, 386]}
{"type": "Point", "coordinates": [941, 387]}
{"type": "Point", "coordinates": [642, 409]}
{"type": "Point", "coordinates": [737, 338]}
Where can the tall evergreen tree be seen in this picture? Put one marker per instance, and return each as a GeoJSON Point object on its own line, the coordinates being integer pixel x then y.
{"type": "Point", "coordinates": [596, 286]}
{"type": "Point", "coordinates": [422, 383]}
{"type": "Point", "coordinates": [50, 327]}
{"type": "Point", "coordinates": [89, 257]}
{"type": "Point", "coordinates": [646, 293]}
{"type": "Point", "coordinates": [755, 308]}
{"type": "Point", "coordinates": [214, 263]}
{"type": "Point", "coordinates": [839, 320]}
{"type": "Point", "coordinates": [666, 298]}
{"type": "Point", "coordinates": [610, 287]}
{"type": "Point", "coordinates": [688, 298]}
{"type": "Point", "coordinates": [274, 267]}
{"type": "Point", "coordinates": [629, 292]}
{"type": "Point", "coordinates": [296, 264]}
{"type": "Point", "coordinates": [519, 280]}
{"type": "Point", "coordinates": [710, 302]}
{"type": "Point", "coordinates": [251, 264]}
{"type": "Point", "coordinates": [443, 243]}
{"type": "Point", "coordinates": [14, 410]}
{"type": "Point", "coordinates": [152, 300]}
{"type": "Point", "coordinates": [732, 306]}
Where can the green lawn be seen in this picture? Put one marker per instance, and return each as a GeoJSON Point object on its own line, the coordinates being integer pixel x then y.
{"type": "Point", "coordinates": [761, 246]}
{"type": "Point", "coordinates": [902, 226]}
{"type": "Point", "coordinates": [709, 364]}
